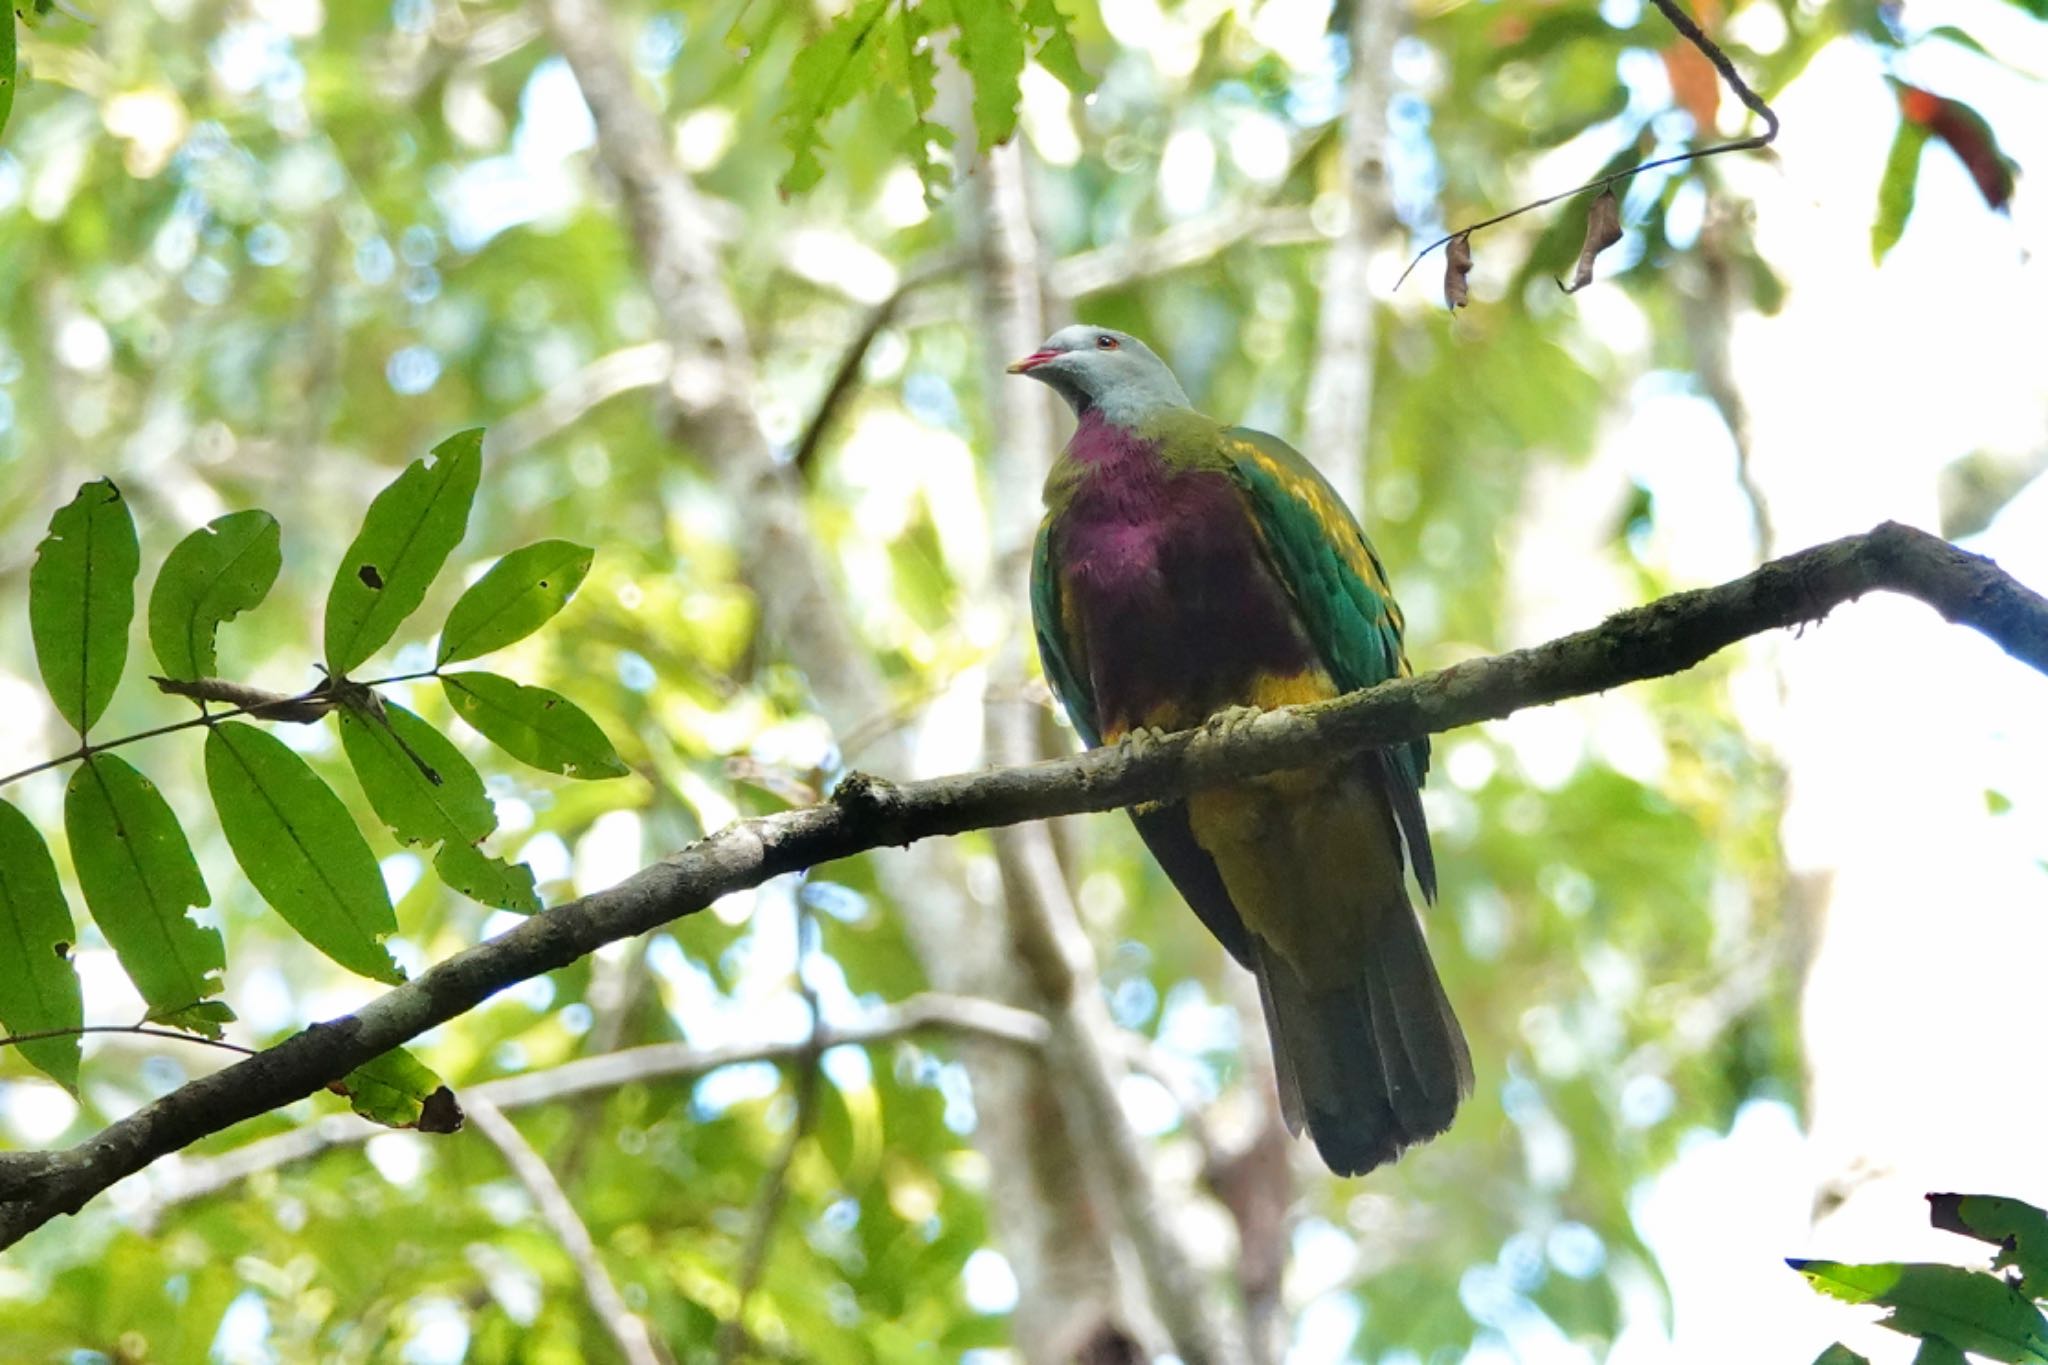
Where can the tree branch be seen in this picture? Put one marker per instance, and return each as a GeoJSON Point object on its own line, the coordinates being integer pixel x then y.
{"type": "Point", "coordinates": [1042, 918]}
{"type": "Point", "coordinates": [628, 1330]}
{"type": "Point", "coordinates": [733, 1336]}
{"type": "Point", "coordinates": [1664, 637]}
{"type": "Point", "coordinates": [1340, 383]}
{"type": "Point", "coordinates": [1177, 248]}
{"type": "Point", "coordinates": [710, 403]}
{"type": "Point", "coordinates": [197, 1177]}
{"type": "Point", "coordinates": [567, 403]}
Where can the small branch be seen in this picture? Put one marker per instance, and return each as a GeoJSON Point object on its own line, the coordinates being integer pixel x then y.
{"type": "Point", "coordinates": [1664, 637]}
{"type": "Point", "coordinates": [732, 1333]}
{"type": "Point", "coordinates": [628, 1330]}
{"type": "Point", "coordinates": [1176, 248]}
{"type": "Point", "coordinates": [139, 1030]}
{"type": "Point", "coordinates": [610, 375]}
{"type": "Point", "coordinates": [847, 373]}
{"type": "Point", "coordinates": [197, 1177]}
{"type": "Point", "coordinates": [1681, 21]}
{"type": "Point", "coordinates": [257, 704]}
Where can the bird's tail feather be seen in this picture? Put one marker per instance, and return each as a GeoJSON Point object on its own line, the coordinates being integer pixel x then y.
{"type": "Point", "coordinates": [1372, 1066]}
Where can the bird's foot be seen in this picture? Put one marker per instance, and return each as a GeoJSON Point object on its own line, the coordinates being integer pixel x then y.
{"type": "Point", "coordinates": [1232, 720]}
{"type": "Point", "coordinates": [1140, 740]}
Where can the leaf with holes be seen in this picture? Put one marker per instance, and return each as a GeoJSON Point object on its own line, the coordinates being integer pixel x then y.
{"type": "Point", "coordinates": [81, 597]}
{"type": "Point", "coordinates": [520, 594]}
{"type": "Point", "coordinates": [533, 725]}
{"type": "Point", "coordinates": [213, 575]}
{"type": "Point", "coordinates": [38, 984]}
{"type": "Point", "coordinates": [991, 46]}
{"type": "Point", "coordinates": [921, 76]}
{"type": "Point", "coordinates": [400, 1091]}
{"type": "Point", "coordinates": [824, 75]}
{"type": "Point", "coordinates": [300, 848]}
{"type": "Point", "coordinates": [140, 880]}
{"type": "Point", "coordinates": [1056, 53]}
{"type": "Point", "coordinates": [411, 528]}
{"type": "Point", "coordinates": [427, 793]}
{"type": "Point", "coordinates": [2017, 1229]}
{"type": "Point", "coordinates": [1969, 1309]}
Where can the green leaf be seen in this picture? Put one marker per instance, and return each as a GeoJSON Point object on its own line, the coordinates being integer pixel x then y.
{"type": "Point", "coordinates": [1969, 1309]}
{"type": "Point", "coordinates": [81, 597]}
{"type": "Point", "coordinates": [533, 725]}
{"type": "Point", "coordinates": [520, 594]}
{"type": "Point", "coordinates": [1838, 1354]}
{"type": "Point", "coordinates": [1895, 191]}
{"type": "Point", "coordinates": [300, 848]}
{"type": "Point", "coordinates": [991, 47]}
{"type": "Point", "coordinates": [1056, 54]}
{"type": "Point", "coordinates": [399, 1091]}
{"type": "Point", "coordinates": [215, 574]}
{"type": "Point", "coordinates": [921, 74]}
{"type": "Point", "coordinates": [8, 60]}
{"type": "Point", "coordinates": [1936, 1351]}
{"type": "Point", "coordinates": [821, 81]}
{"type": "Point", "coordinates": [38, 984]}
{"type": "Point", "coordinates": [454, 811]}
{"type": "Point", "coordinates": [1959, 37]}
{"type": "Point", "coordinates": [140, 879]}
{"type": "Point", "coordinates": [411, 528]}
{"type": "Point", "coordinates": [469, 870]}
{"type": "Point", "coordinates": [2019, 1230]}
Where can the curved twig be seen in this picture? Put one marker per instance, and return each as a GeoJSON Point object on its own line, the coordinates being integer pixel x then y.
{"type": "Point", "coordinates": [1754, 102]}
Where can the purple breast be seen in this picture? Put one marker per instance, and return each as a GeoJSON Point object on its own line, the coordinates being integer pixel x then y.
{"type": "Point", "coordinates": [1163, 574]}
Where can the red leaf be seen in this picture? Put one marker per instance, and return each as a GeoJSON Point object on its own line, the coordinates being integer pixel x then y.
{"type": "Point", "coordinates": [1967, 135]}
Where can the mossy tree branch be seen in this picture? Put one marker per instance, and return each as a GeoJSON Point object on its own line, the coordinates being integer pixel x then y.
{"type": "Point", "coordinates": [1664, 637]}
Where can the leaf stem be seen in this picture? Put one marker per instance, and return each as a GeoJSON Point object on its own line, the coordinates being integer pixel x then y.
{"type": "Point", "coordinates": [85, 750]}
{"type": "Point", "coordinates": [141, 1030]}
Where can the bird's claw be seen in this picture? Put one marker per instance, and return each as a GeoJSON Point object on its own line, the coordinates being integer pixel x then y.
{"type": "Point", "coordinates": [1140, 740]}
{"type": "Point", "coordinates": [1232, 720]}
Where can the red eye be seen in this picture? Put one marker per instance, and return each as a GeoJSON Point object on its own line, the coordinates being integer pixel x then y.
{"type": "Point", "coordinates": [1105, 343]}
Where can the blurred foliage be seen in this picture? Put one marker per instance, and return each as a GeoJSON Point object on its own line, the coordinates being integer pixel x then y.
{"type": "Point", "coordinates": [261, 253]}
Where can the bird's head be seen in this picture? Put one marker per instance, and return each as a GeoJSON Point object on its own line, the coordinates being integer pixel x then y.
{"type": "Point", "coordinates": [1098, 368]}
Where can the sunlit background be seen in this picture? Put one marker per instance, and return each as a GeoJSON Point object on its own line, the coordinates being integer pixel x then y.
{"type": "Point", "coordinates": [1744, 954]}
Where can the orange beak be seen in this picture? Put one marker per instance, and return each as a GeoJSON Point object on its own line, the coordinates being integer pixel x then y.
{"type": "Point", "coordinates": [1032, 362]}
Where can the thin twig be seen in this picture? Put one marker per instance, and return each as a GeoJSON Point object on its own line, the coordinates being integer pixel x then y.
{"type": "Point", "coordinates": [139, 1030]}
{"type": "Point", "coordinates": [733, 1336]}
{"type": "Point", "coordinates": [260, 710]}
{"type": "Point", "coordinates": [847, 373]}
{"type": "Point", "coordinates": [628, 1330]}
{"type": "Point", "coordinates": [931, 1012]}
{"type": "Point", "coordinates": [1681, 21]}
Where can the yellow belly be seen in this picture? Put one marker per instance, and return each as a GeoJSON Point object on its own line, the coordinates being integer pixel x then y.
{"type": "Point", "coordinates": [1307, 854]}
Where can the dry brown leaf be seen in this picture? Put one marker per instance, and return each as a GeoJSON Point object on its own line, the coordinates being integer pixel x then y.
{"type": "Point", "coordinates": [1603, 230]}
{"type": "Point", "coordinates": [263, 705]}
{"type": "Point", "coordinates": [1457, 267]}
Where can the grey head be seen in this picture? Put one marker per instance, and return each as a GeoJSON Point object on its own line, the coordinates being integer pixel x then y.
{"type": "Point", "coordinates": [1101, 370]}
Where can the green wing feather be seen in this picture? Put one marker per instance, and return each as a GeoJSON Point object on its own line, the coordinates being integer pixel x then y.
{"type": "Point", "coordinates": [1340, 588]}
{"type": "Point", "coordinates": [1063, 672]}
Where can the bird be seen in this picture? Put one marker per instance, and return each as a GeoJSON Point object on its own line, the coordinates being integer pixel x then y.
{"type": "Point", "coordinates": [1189, 573]}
